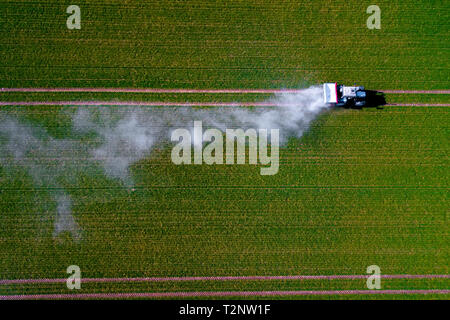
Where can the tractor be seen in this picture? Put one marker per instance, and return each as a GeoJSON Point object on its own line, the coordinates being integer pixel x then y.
{"type": "Point", "coordinates": [344, 96]}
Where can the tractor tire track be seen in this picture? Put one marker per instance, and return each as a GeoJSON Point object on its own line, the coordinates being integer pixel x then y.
{"type": "Point", "coordinates": [181, 90]}
{"type": "Point", "coordinates": [216, 294]}
{"type": "Point", "coordinates": [184, 104]}
{"type": "Point", "coordinates": [229, 278]}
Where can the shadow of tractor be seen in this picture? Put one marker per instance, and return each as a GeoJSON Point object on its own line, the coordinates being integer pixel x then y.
{"type": "Point", "coordinates": [375, 99]}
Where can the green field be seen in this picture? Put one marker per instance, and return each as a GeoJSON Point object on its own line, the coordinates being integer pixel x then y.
{"type": "Point", "coordinates": [361, 187]}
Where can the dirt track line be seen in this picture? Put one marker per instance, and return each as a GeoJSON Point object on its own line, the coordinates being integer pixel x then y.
{"type": "Point", "coordinates": [215, 294]}
{"type": "Point", "coordinates": [159, 90]}
{"type": "Point", "coordinates": [139, 103]}
{"type": "Point", "coordinates": [230, 278]}
{"type": "Point", "coordinates": [416, 91]}
{"type": "Point", "coordinates": [417, 105]}
{"type": "Point", "coordinates": [183, 104]}
{"type": "Point", "coordinates": [148, 90]}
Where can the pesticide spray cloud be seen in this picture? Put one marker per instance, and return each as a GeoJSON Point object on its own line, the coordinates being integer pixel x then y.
{"type": "Point", "coordinates": [48, 161]}
{"type": "Point", "coordinates": [128, 134]}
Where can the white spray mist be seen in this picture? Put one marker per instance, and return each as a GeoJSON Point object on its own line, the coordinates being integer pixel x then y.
{"type": "Point", "coordinates": [128, 134]}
